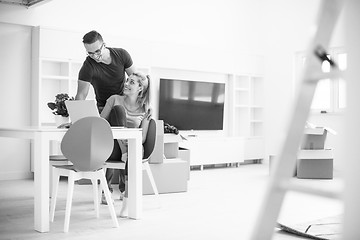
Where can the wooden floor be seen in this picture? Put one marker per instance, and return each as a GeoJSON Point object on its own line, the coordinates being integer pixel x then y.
{"type": "Point", "coordinates": [221, 203]}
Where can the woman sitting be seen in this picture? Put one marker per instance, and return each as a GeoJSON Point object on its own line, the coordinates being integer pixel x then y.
{"type": "Point", "coordinates": [133, 111]}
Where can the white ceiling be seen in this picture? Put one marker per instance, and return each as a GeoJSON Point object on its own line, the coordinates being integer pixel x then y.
{"type": "Point", "coordinates": [24, 3]}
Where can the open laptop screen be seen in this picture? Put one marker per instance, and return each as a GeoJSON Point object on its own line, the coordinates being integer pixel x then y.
{"type": "Point", "coordinates": [81, 108]}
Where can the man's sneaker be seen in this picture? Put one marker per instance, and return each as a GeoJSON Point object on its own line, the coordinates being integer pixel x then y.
{"type": "Point", "coordinates": [121, 196]}
{"type": "Point", "coordinates": [103, 199]}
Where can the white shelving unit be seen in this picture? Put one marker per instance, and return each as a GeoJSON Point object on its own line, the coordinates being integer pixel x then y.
{"type": "Point", "coordinates": [256, 106]}
{"type": "Point", "coordinates": [53, 76]}
{"type": "Point", "coordinates": [247, 113]}
{"type": "Point", "coordinates": [241, 102]}
{"type": "Point", "coordinates": [52, 73]}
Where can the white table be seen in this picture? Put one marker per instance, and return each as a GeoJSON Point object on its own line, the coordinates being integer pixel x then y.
{"type": "Point", "coordinates": [42, 136]}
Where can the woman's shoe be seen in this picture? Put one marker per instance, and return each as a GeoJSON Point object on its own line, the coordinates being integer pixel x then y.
{"type": "Point", "coordinates": [121, 196]}
{"type": "Point", "coordinates": [103, 199]}
{"type": "Point", "coordinates": [124, 157]}
{"type": "Point", "coordinates": [124, 209]}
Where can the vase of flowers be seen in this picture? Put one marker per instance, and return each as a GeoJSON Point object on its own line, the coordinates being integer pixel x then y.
{"type": "Point", "coordinates": [59, 108]}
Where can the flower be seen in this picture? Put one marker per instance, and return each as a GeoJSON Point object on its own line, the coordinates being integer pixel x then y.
{"type": "Point", "coordinates": [59, 107]}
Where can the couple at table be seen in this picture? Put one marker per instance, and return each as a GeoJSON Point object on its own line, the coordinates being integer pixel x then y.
{"type": "Point", "coordinates": [123, 102]}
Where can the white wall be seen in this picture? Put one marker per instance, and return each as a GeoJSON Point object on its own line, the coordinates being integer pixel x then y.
{"type": "Point", "coordinates": [15, 49]}
{"type": "Point", "coordinates": [213, 24]}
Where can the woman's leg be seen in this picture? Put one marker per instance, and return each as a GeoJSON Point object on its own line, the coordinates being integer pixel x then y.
{"type": "Point", "coordinates": [115, 156]}
{"type": "Point", "coordinates": [124, 207]}
{"type": "Point", "coordinates": [117, 117]}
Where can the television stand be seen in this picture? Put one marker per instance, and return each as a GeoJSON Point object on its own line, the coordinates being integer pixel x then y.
{"type": "Point", "coordinates": [211, 150]}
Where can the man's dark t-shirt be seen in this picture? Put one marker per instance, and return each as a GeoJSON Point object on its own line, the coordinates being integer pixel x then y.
{"type": "Point", "coordinates": [107, 79]}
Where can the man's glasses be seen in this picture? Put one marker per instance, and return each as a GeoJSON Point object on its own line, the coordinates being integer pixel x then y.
{"type": "Point", "coordinates": [97, 52]}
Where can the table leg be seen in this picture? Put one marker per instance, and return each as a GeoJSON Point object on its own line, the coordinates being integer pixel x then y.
{"type": "Point", "coordinates": [41, 182]}
{"type": "Point", "coordinates": [135, 178]}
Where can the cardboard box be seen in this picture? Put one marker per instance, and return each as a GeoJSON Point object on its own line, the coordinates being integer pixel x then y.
{"type": "Point", "coordinates": [184, 154]}
{"type": "Point", "coordinates": [315, 164]}
{"type": "Point", "coordinates": [315, 137]}
{"type": "Point", "coordinates": [171, 145]}
{"type": "Point", "coordinates": [315, 168]}
{"type": "Point", "coordinates": [316, 154]}
{"type": "Point", "coordinates": [170, 176]}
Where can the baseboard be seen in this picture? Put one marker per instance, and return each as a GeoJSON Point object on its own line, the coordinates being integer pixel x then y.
{"type": "Point", "coordinates": [16, 175]}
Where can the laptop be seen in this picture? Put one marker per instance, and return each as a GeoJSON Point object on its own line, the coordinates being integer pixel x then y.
{"type": "Point", "coordinates": [81, 108]}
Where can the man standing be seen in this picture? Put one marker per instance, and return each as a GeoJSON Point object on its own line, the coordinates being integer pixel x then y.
{"type": "Point", "coordinates": [105, 69]}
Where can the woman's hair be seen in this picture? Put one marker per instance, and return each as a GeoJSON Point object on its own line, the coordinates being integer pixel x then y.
{"type": "Point", "coordinates": [92, 37]}
{"type": "Point", "coordinates": [144, 94]}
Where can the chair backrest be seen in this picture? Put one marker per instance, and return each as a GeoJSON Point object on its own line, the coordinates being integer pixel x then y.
{"type": "Point", "coordinates": [150, 141]}
{"type": "Point", "coordinates": [88, 143]}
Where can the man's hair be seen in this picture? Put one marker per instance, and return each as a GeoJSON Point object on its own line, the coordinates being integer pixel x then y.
{"type": "Point", "coordinates": [92, 37]}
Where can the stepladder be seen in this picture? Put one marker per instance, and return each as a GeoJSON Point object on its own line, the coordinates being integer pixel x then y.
{"type": "Point", "coordinates": [280, 183]}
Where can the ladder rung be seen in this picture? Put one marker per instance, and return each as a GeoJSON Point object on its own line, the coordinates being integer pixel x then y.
{"type": "Point", "coordinates": [333, 74]}
{"type": "Point", "coordinates": [335, 191]}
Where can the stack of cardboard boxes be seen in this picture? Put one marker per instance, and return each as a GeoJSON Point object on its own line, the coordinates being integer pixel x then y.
{"type": "Point", "coordinates": [314, 160]}
{"type": "Point", "coordinates": [170, 165]}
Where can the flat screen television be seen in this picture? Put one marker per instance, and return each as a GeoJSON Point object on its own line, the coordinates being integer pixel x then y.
{"type": "Point", "coordinates": [192, 105]}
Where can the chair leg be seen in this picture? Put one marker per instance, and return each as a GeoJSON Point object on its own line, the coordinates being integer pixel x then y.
{"type": "Point", "coordinates": [100, 187]}
{"type": "Point", "coordinates": [146, 167]}
{"type": "Point", "coordinates": [96, 196]}
{"type": "Point", "coordinates": [70, 192]}
{"type": "Point", "coordinates": [105, 188]}
{"type": "Point", "coordinates": [55, 187]}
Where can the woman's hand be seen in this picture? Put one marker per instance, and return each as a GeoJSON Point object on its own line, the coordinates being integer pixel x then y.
{"type": "Point", "coordinates": [65, 125]}
{"type": "Point", "coordinates": [148, 114]}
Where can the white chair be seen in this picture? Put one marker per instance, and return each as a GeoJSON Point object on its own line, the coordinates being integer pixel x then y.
{"type": "Point", "coordinates": [54, 160]}
{"type": "Point", "coordinates": [149, 146]}
{"type": "Point", "coordinates": [87, 144]}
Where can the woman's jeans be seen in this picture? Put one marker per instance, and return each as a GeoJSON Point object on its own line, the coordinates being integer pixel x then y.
{"type": "Point", "coordinates": [117, 118]}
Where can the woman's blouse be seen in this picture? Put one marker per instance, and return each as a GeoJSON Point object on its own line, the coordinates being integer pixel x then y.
{"type": "Point", "coordinates": [133, 118]}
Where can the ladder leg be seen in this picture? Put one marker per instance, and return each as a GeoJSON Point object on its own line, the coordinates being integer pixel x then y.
{"type": "Point", "coordinates": [352, 116]}
{"type": "Point", "coordinates": [283, 169]}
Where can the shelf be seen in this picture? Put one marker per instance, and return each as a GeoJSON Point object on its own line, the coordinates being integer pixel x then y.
{"type": "Point", "coordinates": [53, 77]}
{"type": "Point", "coordinates": [256, 121]}
{"type": "Point", "coordinates": [242, 98]}
{"type": "Point", "coordinates": [54, 68]}
{"type": "Point", "coordinates": [247, 105]}
{"type": "Point", "coordinates": [242, 81]}
{"type": "Point", "coordinates": [256, 113]}
{"type": "Point", "coordinates": [257, 132]}
{"type": "Point", "coordinates": [52, 74]}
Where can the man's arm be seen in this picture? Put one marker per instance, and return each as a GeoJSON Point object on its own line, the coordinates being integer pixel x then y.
{"type": "Point", "coordinates": [130, 70]}
{"type": "Point", "coordinates": [82, 90]}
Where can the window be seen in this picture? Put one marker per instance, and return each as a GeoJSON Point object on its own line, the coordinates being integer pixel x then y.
{"type": "Point", "coordinates": [330, 95]}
